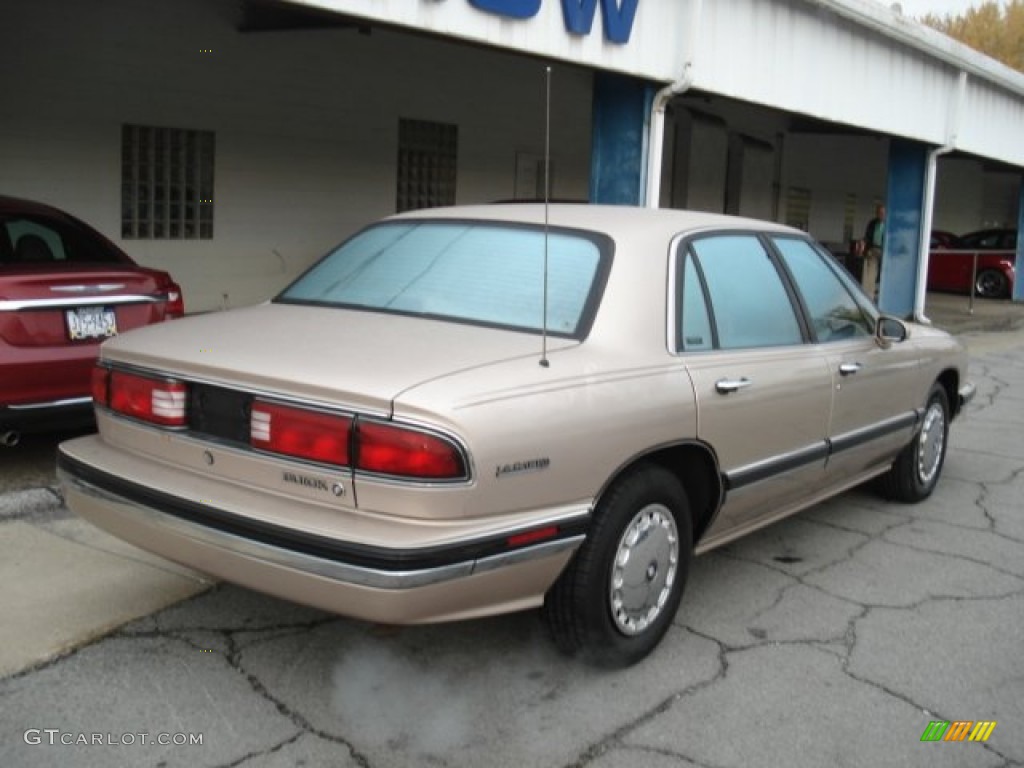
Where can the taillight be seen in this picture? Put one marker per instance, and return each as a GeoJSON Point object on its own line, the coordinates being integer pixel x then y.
{"type": "Point", "coordinates": [342, 440]}
{"type": "Point", "coordinates": [101, 385]}
{"type": "Point", "coordinates": [299, 432]}
{"type": "Point", "coordinates": [175, 301]}
{"type": "Point", "coordinates": [394, 450]}
{"type": "Point", "coordinates": [158, 401]}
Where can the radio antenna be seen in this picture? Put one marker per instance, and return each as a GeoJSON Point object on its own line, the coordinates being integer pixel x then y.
{"type": "Point", "coordinates": [547, 204]}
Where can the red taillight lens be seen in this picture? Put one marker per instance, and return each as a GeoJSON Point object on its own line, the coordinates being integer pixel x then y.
{"type": "Point", "coordinates": [158, 401]}
{"type": "Point", "coordinates": [393, 450]}
{"type": "Point", "coordinates": [101, 385]}
{"type": "Point", "coordinates": [175, 301]}
{"type": "Point", "coordinates": [376, 447]}
{"type": "Point", "coordinates": [302, 433]}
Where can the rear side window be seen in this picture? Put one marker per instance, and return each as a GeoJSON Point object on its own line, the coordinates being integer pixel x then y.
{"type": "Point", "coordinates": [749, 303]}
{"type": "Point", "coordinates": [989, 240]}
{"type": "Point", "coordinates": [486, 273]}
{"type": "Point", "coordinates": [695, 332]}
{"type": "Point", "coordinates": [28, 240]}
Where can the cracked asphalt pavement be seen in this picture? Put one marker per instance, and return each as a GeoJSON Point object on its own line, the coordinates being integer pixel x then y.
{"type": "Point", "coordinates": [830, 639]}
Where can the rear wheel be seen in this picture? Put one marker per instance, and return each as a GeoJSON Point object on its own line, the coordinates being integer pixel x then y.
{"type": "Point", "coordinates": [992, 284]}
{"type": "Point", "coordinates": [915, 473]}
{"type": "Point", "coordinates": [617, 598]}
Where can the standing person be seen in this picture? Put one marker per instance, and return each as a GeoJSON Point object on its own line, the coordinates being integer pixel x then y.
{"type": "Point", "coordinates": [873, 238]}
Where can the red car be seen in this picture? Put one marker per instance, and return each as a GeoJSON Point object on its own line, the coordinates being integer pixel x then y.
{"type": "Point", "coordinates": [951, 262]}
{"type": "Point", "coordinates": [64, 288]}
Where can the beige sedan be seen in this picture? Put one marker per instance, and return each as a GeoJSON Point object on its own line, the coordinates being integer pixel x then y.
{"type": "Point", "coordinates": [471, 411]}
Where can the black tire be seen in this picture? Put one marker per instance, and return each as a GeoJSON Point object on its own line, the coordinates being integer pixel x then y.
{"type": "Point", "coordinates": [586, 610]}
{"type": "Point", "coordinates": [991, 284]}
{"type": "Point", "coordinates": [915, 473]}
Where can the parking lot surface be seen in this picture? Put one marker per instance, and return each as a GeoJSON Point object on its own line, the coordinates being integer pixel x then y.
{"type": "Point", "coordinates": [834, 638]}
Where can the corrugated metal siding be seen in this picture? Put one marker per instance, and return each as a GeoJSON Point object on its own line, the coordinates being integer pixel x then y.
{"type": "Point", "coordinates": [652, 52]}
{"type": "Point", "coordinates": [993, 124]}
{"type": "Point", "coordinates": [803, 58]}
{"type": "Point", "coordinates": [847, 61]}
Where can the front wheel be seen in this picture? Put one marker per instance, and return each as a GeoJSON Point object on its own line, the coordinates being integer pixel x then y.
{"type": "Point", "coordinates": [915, 473]}
{"type": "Point", "coordinates": [617, 598]}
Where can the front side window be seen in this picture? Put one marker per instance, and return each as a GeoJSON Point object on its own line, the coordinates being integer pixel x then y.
{"type": "Point", "coordinates": [468, 271]}
{"type": "Point", "coordinates": [834, 314]}
{"type": "Point", "coordinates": [749, 303]}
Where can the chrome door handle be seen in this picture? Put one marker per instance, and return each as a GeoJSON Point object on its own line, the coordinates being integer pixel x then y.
{"type": "Point", "coordinates": [725, 386]}
{"type": "Point", "coordinates": [848, 369]}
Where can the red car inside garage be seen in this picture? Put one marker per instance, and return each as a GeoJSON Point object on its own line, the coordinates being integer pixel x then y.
{"type": "Point", "coordinates": [952, 267]}
{"type": "Point", "coordinates": [64, 288]}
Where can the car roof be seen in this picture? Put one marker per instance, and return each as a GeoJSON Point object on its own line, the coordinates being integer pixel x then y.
{"type": "Point", "coordinates": [614, 220]}
{"type": "Point", "coordinates": [990, 231]}
{"type": "Point", "coordinates": [10, 204]}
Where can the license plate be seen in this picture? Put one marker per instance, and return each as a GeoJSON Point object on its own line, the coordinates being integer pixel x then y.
{"type": "Point", "coordinates": [91, 323]}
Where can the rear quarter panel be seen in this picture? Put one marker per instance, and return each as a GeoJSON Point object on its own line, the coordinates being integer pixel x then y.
{"type": "Point", "coordinates": [555, 437]}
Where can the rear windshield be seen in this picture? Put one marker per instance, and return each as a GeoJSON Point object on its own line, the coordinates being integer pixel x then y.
{"type": "Point", "coordinates": [484, 273]}
{"type": "Point", "coordinates": [40, 240]}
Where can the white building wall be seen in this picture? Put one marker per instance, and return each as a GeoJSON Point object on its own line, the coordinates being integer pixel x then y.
{"type": "Point", "coordinates": [306, 126]}
{"type": "Point", "coordinates": [833, 167]}
{"type": "Point", "coordinates": [999, 197]}
{"type": "Point", "coordinates": [757, 181]}
{"type": "Point", "coordinates": [958, 195]}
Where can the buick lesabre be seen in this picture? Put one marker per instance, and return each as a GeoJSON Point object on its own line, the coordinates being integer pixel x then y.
{"type": "Point", "coordinates": [478, 410]}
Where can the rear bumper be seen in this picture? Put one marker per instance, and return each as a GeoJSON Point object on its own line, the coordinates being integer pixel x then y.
{"type": "Point", "coordinates": [46, 388]}
{"type": "Point", "coordinates": [69, 413]}
{"type": "Point", "coordinates": [474, 576]}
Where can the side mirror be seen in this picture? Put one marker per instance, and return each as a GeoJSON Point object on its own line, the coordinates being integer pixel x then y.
{"type": "Point", "coordinates": [889, 331]}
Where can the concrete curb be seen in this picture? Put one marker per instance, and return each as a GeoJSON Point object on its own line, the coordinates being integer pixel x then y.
{"type": "Point", "coordinates": [66, 582]}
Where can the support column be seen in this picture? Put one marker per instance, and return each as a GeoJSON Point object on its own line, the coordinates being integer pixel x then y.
{"type": "Point", "coordinates": [901, 251]}
{"type": "Point", "coordinates": [1018, 283]}
{"type": "Point", "coordinates": [618, 153]}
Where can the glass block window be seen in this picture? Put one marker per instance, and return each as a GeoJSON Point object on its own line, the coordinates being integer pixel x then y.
{"type": "Point", "coordinates": [427, 154]}
{"type": "Point", "coordinates": [166, 183]}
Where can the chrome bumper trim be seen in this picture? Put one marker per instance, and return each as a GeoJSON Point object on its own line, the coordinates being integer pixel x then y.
{"type": "Point", "coordinates": [85, 300]}
{"type": "Point", "coordinates": [66, 403]}
{"type": "Point", "coordinates": [305, 563]}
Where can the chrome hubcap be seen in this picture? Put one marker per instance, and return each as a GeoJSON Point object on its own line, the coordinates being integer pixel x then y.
{"type": "Point", "coordinates": [644, 570]}
{"type": "Point", "coordinates": [930, 443]}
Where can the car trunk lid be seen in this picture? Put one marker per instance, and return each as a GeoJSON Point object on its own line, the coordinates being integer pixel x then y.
{"type": "Point", "coordinates": [43, 308]}
{"type": "Point", "coordinates": [352, 359]}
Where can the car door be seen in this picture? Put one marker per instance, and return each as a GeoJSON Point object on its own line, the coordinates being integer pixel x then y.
{"type": "Point", "coordinates": [763, 393]}
{"type": "Point", "coordinates": [874, 384]}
